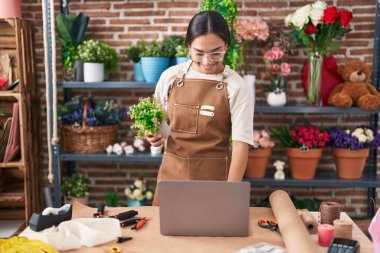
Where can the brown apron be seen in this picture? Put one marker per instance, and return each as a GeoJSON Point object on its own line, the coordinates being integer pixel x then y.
{"type": "Point", "coordinates": [200, 122]}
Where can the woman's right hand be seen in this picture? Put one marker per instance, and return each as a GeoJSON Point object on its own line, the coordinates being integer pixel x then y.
{"type": "Point", "coordinates": [155, 141]}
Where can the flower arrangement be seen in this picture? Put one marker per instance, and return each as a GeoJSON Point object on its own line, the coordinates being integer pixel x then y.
{"type": "Point", "coordinates": [139, 191]}
{"type": "Point", "coordinates": [360, 137]}
{"type": "Point", "coordinates": [306, 137]}
{"type": "Point", "coordinates": [99, 113]}
{"type": "Point", "coordinates": [277, 67]}
{"type": "Point", "coordinates": [316, 26]}
{"type": "Point", "coordinates": [147, 115]}
{"type": "Point", "coordinates": [98, 52]}
{"type": "Point", "coordinates": [262, 139]}
{"type": "Point", "coordinates": [76, 186]}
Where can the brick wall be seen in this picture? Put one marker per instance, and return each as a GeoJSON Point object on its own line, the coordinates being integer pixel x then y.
{"type": "Point", "coordinates": [121, 23]}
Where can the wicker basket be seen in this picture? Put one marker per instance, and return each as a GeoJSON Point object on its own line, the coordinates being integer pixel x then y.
{"type": "Point", "coordinates": [87, 139]}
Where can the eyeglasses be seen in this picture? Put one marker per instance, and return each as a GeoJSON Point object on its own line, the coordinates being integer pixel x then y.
{"type": "Point", "coordinates": [213, 56]}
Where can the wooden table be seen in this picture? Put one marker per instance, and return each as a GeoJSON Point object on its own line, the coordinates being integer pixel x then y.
{"type": "Point", "coordinates": [149, 239]}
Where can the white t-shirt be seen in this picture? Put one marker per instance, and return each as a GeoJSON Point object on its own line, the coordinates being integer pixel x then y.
{"type": "Point", "coordinates": [240, 98]}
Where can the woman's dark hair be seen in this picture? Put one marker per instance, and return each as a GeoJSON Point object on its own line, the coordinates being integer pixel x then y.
{"type": "Point", "coordinates": [207, 22]}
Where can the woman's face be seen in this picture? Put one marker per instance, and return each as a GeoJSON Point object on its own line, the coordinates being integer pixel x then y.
{"type": "Point", "coordinates": [207, 53]}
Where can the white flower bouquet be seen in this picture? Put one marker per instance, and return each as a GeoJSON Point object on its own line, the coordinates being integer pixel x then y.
{"type": "Point", "coordinates": [139, 191]}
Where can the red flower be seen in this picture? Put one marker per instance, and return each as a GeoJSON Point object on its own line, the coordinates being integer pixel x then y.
{"type": "Point", "coordinates": [345, 17]}
{"type": "Point", "coordinates": [311, 29]}
{"type": "Point", "coordinates": [330, 15]}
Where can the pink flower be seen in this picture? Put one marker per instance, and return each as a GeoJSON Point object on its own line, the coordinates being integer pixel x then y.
{"type": "Point", "coordinates": [275, 68]}
{"type": "Point", "coordinates": [256, 135]}
{"type": "Point", "coordinates": [270, 55]}
{"type": "Point", "coordinates": [265, 134]}
{"type": "Point", "coordinates": [278, 52]}
{"type": "Point", "coordinates": [265, 143]}
{"type": "Point", "coordinates": [285, 69]}
{"type": "Point", "coordinates": [251, 29]}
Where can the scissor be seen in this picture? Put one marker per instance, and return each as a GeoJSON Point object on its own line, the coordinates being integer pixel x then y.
{"type": "Point", "coordinates": [272, 225]}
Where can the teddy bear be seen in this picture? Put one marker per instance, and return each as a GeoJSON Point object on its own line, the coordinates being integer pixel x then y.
{"type": "Point", "coordinates": [355, 90]}
{"type": "Point", "coordinates": [279, 174]}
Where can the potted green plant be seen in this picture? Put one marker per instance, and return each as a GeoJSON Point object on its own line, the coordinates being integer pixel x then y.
{"type": "Point", "coordinates": [138, 193]}
{"type": "Point", "coordinates": [98, 58]}
{"type": "Point", "coordinates": [113, 198]}
{"type": "Point", "coordinates": [71, 33]}
{"type": "Point", "coordinates": [171, 43]}
{"type": "Point", "coordinates": [76, 188]}
{"type": "Point", "coordinates": [154, 60]}
{"type": "Point", "coordinates": [133, 53]}
{"type": "Point", "coordinates": [181, 54]}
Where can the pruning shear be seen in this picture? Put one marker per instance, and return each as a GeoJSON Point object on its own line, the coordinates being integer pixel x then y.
{"type": "Point", "coordinates": [272, 225]}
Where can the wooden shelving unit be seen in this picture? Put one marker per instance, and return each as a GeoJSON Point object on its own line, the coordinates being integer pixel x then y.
{"type": "Point", "coordinates": [20, 193]}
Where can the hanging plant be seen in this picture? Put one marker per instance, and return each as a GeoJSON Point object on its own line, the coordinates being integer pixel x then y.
{"type": "Point", "coordinates": [228, 9]}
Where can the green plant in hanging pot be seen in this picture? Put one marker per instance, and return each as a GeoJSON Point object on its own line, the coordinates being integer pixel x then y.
{"type": "Point", "coordinates": [154, 60]}
{"type": "Point", "coordinates": [76, 188]}
{"type": "Point", "coordinates": [134, 54]}
{"type": "Point", "coordinates": [71, 33]}
{"type": "Point", "coordinates": [98, 58]}
{"type": "Point", "coordinates": [228, 9]}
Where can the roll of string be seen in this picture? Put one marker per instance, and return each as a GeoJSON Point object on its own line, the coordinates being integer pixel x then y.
{"type": "Point", "coordinates": [343, 228]}
{"type": "Point", "coordinates": [329, 211]}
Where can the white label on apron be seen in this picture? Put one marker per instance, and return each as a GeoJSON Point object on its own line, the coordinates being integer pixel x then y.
{"type": "Point", "coordinates": [206, 113]}
{"type": "Point", "coordinates": [208, 107]}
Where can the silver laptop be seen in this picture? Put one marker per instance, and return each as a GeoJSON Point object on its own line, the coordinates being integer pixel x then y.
{"type": "Point", "coordinates": [204, 208]}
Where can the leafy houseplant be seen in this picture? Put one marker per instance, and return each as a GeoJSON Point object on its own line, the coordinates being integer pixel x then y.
{"type": "Point", "coordinates": [228, 9]}
{"type": "Point", "coordinates": [181, 54]}
{"type": "Point", "coordinates": [138, 193]}
{"type": "Point", "coordinates": [171, 44]}
{"type": "Point", "coordinates": [71, 33]}
{"type": "Point", "coordinates": [316, 26]}
{"type": "Point", "coordinates": [350, 149]}
{"type": "Point", "coordinates": [154, 60]}
{"type": "Point", "coordinates": [134, 54]}
{"type": "Point", "coordinates": [113, 198]}
{"type": "Point", "coordinates": [303, 146]}
{"type": "Point", "coordinates": [259, 154]}
{"type": "Point", "coordinates": [98, 58]}
{"type": "Point", "coordinates": [76, 187]}
{"type": "Point", "coordinates": [147, 115]}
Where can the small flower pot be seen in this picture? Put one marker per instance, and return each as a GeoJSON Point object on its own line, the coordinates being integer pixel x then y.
{"type": "Point", "coordinates": [155, 151]}
{"type": "Point", "coordinates": [135, 202]}
{"type": "Point", "coordinates": [350, 163]}
{"type": "Point", "coordinates": [257, 163]}
{"type": "Point", "coordinates": [138, 75]}
{"type": "Point", "coordinates": [276, 98]}
{"type": "Point", "coordinates": [78, 67]}
{"type": "Point", "coordinates": [303, 164]}
{"type": "Point", "coordinates": [93, 72]}
{"type": "Point", "coordinates": [153, 67]}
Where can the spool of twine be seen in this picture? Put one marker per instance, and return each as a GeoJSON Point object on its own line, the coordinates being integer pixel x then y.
{"type": "Point", "coordinates": [343, 228]}
{"type": "Point", "coordinates": [309, 221]}
{"type": "Point", "coordinates": [329, 211]}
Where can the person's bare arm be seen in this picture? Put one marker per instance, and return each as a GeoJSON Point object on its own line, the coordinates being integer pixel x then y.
{"type": "Point", "coordinates": [238, 161]}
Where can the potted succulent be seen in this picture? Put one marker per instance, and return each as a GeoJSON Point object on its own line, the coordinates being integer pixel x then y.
{"type": "Point", "coordinates": [113, 198]}
{"type": "Point", "coordinates": [303, 147]}
{"type": "Point", "coordinates": [181, 54]}
{"type": "Point", "coordinates": [133, 53]}
{"type": "Point", "coordinates": [76, 188]}
{"type": "Point", "coordinates": [259, 154]}
{"type": "Point", "coordinates": [154, 60]}
{"type": "Point", "coordinates": [278, 70]}
{"type": "Point", "coordinates": [138, 193]}
{"type": "Point", "coordinates": [350, 149]}
{"type": "Point", "coordinates": [71, 33]}
{"type": "Point", "coordinates": [98, 58]}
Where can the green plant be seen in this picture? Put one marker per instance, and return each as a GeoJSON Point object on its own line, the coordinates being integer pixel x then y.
{"type": "Point", "coordinates": [96, 51]}
{"type": "Point", "coordinates": [181, 51]}
{"type": "Point", "coordinates": [113, 198]}
{"type": "Point", "coordinates": [76, 186]}
{"type": "Point", "coordinates": [229, 11]}
{"type": "Point", "coordinates": [134, 51]}
{"type": "Point", "coordinates": [171, 44]}
{"type": "Point", "coordinates": [155, 49]}
{"type": "Point", "coordinates": [71, 33]}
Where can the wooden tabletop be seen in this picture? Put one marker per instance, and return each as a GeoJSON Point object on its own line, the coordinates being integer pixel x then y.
{"type": "Point", "coordinates": [149, 239]}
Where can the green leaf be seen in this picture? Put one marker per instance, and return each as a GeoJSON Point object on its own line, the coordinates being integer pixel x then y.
{"type": "Point", "coordinates": [78, 28]}
{"type": "Point", "coordinates": [334, 46]}
{"type": "Point", "coordinates": [64, 24]}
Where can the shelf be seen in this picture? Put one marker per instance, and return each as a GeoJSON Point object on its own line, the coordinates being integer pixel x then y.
{"type": "Point", "coordinates": [101, 157]}
{"type": "Point", "coordinates": [107, 85]}
{"type": "Point", "coordinates": [322, 179]}
{"type": "Point", "coordinates": [303, 108]}
{"type": "Point", "coordinates": [12, 199]}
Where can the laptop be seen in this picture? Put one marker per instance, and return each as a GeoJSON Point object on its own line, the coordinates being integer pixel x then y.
{"type": "Point", "coordinates": [204, 208]}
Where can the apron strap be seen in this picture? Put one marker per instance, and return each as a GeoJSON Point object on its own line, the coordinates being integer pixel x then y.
{"type": "Point", "coordinates": [183, 73]}
{"type": "Point", "coordinates": [225, 73]}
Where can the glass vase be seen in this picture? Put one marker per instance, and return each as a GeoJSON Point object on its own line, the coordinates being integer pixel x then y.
{"type": "Point", "coordinates": [314, 89]}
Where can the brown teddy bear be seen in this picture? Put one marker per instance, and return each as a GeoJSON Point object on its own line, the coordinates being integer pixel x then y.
{"type": "Point", "coordinates": [355, 90]}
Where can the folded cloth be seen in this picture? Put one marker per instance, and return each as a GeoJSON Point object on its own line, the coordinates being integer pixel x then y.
{"type": "Point", "coordinates": [72, 234]}
{"type": "Point", "coordinates": [375, 231]}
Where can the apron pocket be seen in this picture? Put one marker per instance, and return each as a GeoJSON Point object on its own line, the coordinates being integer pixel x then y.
{"type": "Point", "coordinates": [185, 118]}
{"type": "Point", "coordinates": [173, 168]}
{"type": "Point", "coordinates": [208, 169]}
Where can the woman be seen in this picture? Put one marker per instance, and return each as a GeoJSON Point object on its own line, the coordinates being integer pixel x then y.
{"type": "Point", "coordinates": [205, 102]}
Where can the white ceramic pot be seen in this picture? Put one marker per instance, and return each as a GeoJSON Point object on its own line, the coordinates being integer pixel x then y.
{"type": "Point", "coordinates": [276, 98]}
{"type": "Point", "coordinates": [155, 151]}
{"type": "Point", "coordinates": [93, 72]}
{"type": "Point", "coordinates": [250, 79]}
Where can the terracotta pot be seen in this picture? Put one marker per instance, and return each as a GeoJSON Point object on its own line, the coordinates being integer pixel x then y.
{"type": "Point", "coordinates": [257, 163]}
{"type": "Point", "coordinates": [303, 164]}
{"type": "Point", "coordinates": [350, 163]}
{"type": "Point", "coordinates": [82, 200]}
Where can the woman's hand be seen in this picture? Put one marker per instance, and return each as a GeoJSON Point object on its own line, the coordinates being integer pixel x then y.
{"type": "Point", "coordinates": [155, 141]}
